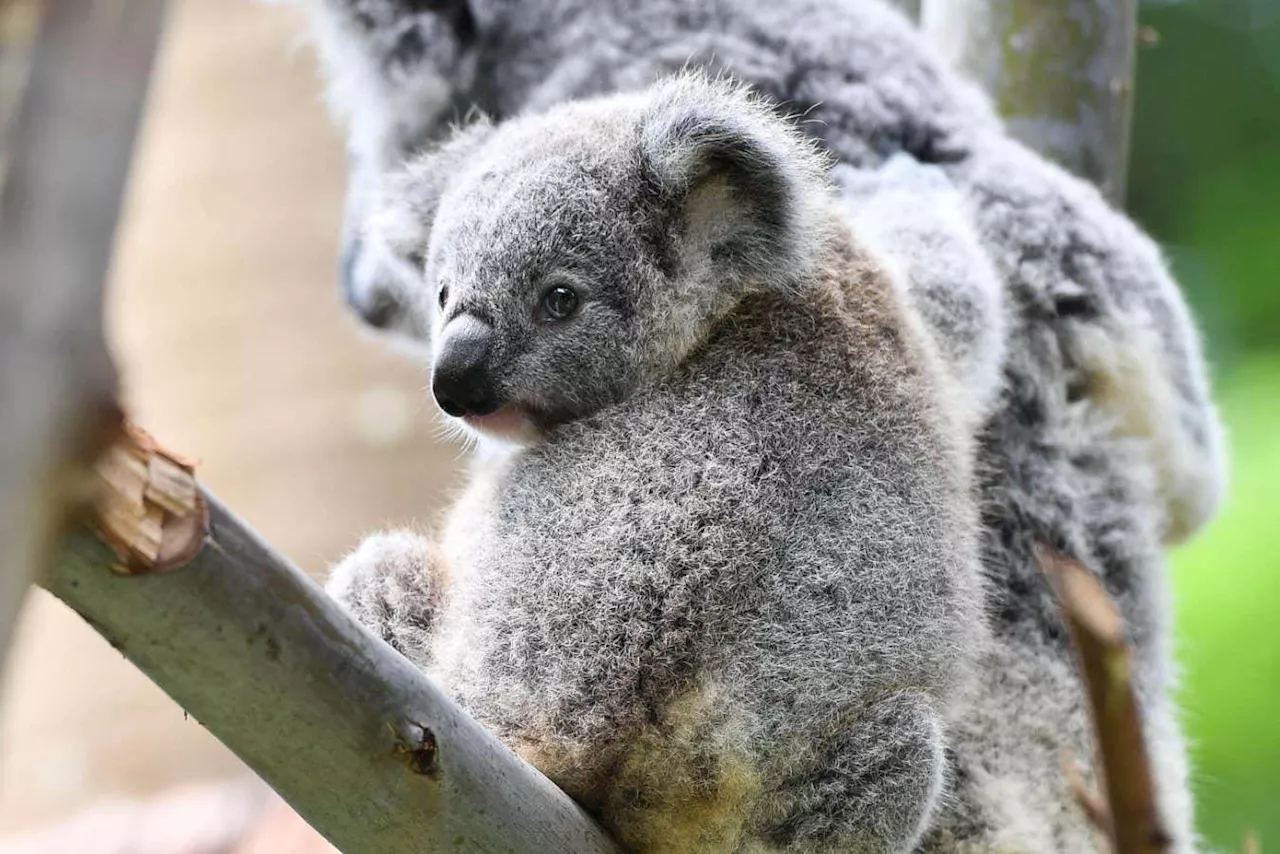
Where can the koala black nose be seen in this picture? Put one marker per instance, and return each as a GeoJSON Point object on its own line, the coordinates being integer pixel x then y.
{"type": "Point", "coordinates": [461, 381]}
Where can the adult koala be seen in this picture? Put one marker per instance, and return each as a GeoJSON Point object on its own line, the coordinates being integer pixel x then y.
{"type": "Point", "coordinates": [726, 591]}
{"type": "Point", "coordinates": [1100, 437]}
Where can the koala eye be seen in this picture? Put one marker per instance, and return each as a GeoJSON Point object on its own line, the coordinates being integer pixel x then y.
{"type": "Point", "coordinates": [559, 303]}
{"type": "Point", "coordinates": [444, 295]}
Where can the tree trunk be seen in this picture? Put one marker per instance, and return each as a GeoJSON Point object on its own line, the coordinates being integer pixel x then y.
{"type": "Point", "coordinates": [73, 77]}
{"type": "Point", "coordinates": [349, 732]}
{"type": "Point", "coordinates": [1060, 71]}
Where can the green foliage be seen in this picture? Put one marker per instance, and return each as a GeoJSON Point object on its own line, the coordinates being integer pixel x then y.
{"type": "Point", "coordinates": [1205, 179]}
{"type": "Point", "coordinates": [1205, 167]}
{"type": "Point", "coordinates": [1228, 584]}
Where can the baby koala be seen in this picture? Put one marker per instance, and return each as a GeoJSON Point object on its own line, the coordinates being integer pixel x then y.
{"type": "Point", "coordinates": [716, 572]}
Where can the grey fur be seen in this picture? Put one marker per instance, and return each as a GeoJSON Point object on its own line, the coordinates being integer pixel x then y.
{"type": "Point", "coordinates": [1100, 438]}
{"type": "Point", "coordinates": [913, 215]}
{"type": "Point", "coordinates": [728, 594]}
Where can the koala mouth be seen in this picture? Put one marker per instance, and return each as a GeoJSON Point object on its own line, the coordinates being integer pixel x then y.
{"type": "Point", "coordinates": [510, 424]}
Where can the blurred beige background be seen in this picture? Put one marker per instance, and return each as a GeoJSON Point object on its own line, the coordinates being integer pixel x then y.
{"type": "Point", "coordinates": [226, 320]}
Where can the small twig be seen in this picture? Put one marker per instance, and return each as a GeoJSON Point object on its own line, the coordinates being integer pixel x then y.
{"type": "Point", "coordinates": [1134, 824]}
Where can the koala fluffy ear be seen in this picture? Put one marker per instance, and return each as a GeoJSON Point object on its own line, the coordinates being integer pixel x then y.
{"type": "Point", "coordinates": [746, 188]}
{"type": "Point", "coordinates": [409, 197]}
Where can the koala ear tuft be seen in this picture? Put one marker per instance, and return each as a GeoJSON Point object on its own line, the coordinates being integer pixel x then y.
{"type": "Point", "coordinates": [746, 187]}
{"type": "Point", "coordinates": [410, 197]}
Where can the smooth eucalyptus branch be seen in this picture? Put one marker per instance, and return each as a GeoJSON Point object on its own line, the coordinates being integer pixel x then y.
{"type": "Point", "coordinates": [351, 734]}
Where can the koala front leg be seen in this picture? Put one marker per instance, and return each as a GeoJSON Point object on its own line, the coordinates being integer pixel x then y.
{"type": "Point", "coordinates": [394, 583]}
{"type": "Point", "coordinates": [871, 785]}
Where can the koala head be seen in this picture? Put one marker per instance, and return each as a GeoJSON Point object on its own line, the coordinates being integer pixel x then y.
{"type": "Point", "coordinates": [559, 261]}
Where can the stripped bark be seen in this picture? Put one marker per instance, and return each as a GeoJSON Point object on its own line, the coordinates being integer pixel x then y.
{"type": "Point", "coordinates": [349, 732]}
{"type": "Point", "coordinates": [1060, 72]}
{"type": "Point", "coordinates": [73, 77]}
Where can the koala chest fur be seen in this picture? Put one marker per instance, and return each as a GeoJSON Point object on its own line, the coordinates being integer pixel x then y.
{"type": "Point", "coordinates": [688, 608]}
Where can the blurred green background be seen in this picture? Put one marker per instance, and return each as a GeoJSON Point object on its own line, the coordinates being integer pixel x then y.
{"type": "Point", "coordinates": [1205, 180]}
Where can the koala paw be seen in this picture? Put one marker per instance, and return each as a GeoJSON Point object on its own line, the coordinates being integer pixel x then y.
{"type": "Point", "coordinates": [392, 584]}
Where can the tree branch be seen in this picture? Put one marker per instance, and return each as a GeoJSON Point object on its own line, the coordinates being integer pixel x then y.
{"type": "Point", "coordinates": [73, 77]}
{"type": "Point", "coordinates": [1060, 71]}
{"type": "Point", "coordinates": [1130, 817]}
{"type": "Point", "coordinates": [349, 732]}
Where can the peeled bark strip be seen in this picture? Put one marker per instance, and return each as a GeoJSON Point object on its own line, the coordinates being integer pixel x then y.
{"type": "Point", "coordinates": [1060, 71]}
{"type": "Point", "coordinates": [73, 78]}
{"type": "Point", "coordinates": [149, 510]}
{"type": "Point", "coordinates": [350, 733]}
{"type": "Point", "coordinates": [1130, 817]}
